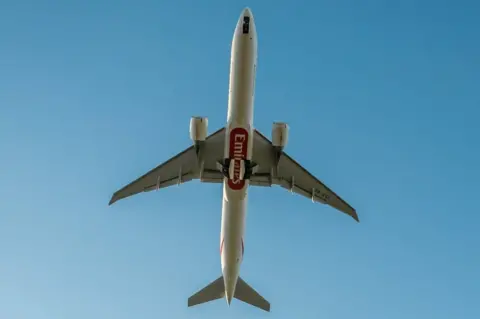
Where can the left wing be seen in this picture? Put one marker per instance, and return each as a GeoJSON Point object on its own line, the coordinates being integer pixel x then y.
{"type": "Point", "coordinates": [286, 172]}
{"type": "Point", "coordinates": [181, 168]}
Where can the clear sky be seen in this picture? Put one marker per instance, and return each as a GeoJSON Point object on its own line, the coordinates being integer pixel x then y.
{"type": "Point", "coordinates": [382, 99]}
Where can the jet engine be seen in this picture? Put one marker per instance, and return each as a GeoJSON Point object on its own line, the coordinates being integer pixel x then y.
{"type": "Point", "coordinates": [198, 129]}
{"type": "Point", "coordinates": [279, 135]}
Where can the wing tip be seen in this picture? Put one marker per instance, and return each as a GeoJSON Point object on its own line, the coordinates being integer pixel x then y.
{"type": "Point", "coordinates": [112, 200]}
{"type": "Point", "coordinates": [355, 216]}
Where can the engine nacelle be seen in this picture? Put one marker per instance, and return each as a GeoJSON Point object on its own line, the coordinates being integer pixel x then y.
{"type": "Point", "coordinates": [279, 135]}
{"type": "Point", "coordinates": [198, 128]}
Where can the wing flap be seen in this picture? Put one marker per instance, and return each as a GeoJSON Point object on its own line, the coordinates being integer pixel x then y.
{"type": "Point", "coordinates": [211, 176]}
{"type": "Point", "coordinates": [261, 179]}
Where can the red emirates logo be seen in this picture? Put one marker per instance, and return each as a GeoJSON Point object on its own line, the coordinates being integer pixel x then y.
{"type": "Point", "coordinates": [238, 151]}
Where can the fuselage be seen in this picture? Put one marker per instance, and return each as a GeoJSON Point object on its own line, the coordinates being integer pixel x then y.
{"type": "Point", "coordinates": [238, 146]}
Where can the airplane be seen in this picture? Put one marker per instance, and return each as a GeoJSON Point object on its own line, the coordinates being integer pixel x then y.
{"type": "Point", "coordinates": [237, 156]}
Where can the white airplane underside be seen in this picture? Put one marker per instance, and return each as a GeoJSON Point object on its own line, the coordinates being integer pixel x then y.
{"type": "Point", "coordinates": [237, 156]}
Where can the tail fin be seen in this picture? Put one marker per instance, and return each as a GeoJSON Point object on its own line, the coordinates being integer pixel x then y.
{"type": "Point", "coordinates": [248, 295]}
{"type": "Point", "coordinates": [215, 290]}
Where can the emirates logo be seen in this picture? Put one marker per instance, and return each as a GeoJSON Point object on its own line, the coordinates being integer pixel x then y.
{"type": "Point", "coordinates": [237, 152]}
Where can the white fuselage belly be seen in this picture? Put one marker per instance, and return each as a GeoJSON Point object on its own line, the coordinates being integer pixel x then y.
{"type": "Point", "coordinates": [238, 145]}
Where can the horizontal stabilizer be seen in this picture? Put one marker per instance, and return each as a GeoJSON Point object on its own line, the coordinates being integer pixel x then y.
{"type": "Point", "coordinates": [215, 290]}
{"type": "Point", "coordinates": [248, 295]}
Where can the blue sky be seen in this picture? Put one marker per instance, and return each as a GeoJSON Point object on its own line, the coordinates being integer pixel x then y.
{"type": "Point", "coordinates": [383, 104]}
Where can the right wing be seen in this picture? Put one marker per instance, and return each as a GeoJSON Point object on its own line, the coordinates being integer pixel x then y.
{"type": "Point", "coordinates": [181, 168]}
{"type": "Point", "coordinates": [289, 174]}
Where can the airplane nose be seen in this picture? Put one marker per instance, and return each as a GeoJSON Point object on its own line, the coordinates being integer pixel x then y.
{"type": "Point", "coordinates": [247, 12]}
{"type": "Point", "coordinates": [245, 22]}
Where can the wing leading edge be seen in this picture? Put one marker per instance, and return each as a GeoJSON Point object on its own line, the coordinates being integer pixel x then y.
{"type": "Point", "coordinates": [287, 173]}
{"type": "Point", "coordinates": [181, 168]}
